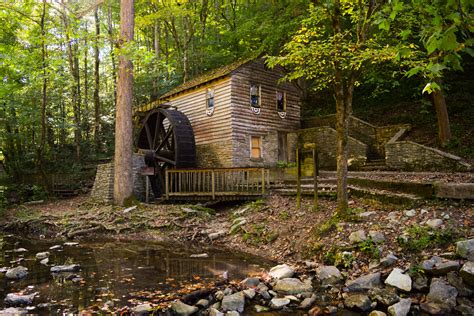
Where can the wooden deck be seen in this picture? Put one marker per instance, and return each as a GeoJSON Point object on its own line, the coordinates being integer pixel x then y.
{"type": "Point", "coordinates": [216, 184]}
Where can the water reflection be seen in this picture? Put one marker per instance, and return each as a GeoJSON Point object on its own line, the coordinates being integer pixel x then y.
{"type": "Point", "coordinates": [117, 271]}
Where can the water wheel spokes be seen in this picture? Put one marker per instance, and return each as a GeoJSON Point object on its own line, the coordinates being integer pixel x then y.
{"type": "Point", "coordinates": [167, 139]}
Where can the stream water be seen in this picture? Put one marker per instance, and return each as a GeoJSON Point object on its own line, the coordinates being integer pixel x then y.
{"type": "Point", "coordinates": [122, 272]}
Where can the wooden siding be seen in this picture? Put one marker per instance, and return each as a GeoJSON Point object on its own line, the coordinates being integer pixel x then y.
{"type": "Point", "coordinates": [266, 124]}
{"type": "Point", "coordinates": [207, 129]}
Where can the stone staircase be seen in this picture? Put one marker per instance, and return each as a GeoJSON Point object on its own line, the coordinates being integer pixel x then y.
{"type": "Point", "coordinates": [386, 186]}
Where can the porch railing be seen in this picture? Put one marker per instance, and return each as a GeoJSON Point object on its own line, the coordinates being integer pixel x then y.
{"type": "Point", "coordinates": [217, 182]}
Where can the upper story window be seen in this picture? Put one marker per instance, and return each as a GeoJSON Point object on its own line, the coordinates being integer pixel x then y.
{"type": "Point", "coordinates": [281, 103]}
{"type": "Point", "coordinates": [255, 98]}
{"type": "Point", "coordinates": [210, 102]}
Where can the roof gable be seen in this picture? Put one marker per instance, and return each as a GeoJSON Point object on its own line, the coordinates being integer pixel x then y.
{"type": "Point", "coordinates": [207, 77]}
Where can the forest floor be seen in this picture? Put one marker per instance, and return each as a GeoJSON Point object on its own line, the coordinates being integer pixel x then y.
{"type": "Point", "coordinates": [273, 228]}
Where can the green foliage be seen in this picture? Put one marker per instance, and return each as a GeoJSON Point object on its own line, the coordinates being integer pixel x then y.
{"type": "Point", "coordinates": [342, 259]}
{"type": "Point", "coordinates": [369, 247]}
{"type": "Point", "coordinates": [259, 234]}
{"type": "Point", "coordinates": [284, 215]}
{"type": "Point", "coordinates": [417, 238]}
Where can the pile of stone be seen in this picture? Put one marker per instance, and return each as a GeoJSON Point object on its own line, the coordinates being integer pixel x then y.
{"type": "Point", "coordinates": [440, 286]}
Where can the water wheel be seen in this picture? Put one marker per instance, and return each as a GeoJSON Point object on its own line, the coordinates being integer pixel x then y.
{"type": "Point", "coordinates": [167, 139]}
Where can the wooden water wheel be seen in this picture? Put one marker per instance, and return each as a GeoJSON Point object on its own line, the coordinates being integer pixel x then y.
{"type": "Point", "coordinates": [167, 139]}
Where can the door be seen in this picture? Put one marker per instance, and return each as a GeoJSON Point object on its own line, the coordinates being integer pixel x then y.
{"type": "Point", "coordinates": [282, 147]}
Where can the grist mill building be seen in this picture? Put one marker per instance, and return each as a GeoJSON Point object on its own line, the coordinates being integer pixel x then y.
{"type": "Point", "coordinates": [242, 115]}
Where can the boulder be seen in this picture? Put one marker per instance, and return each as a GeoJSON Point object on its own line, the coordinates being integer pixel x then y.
{"type": "Point", "coordinates": [249, 293]}
{"type": "Point", "coordinates": [142, 309]}
{"type": "Point", "coordinates": [12, 311]}
{"type": "Point", "coordinates": [66, 268]}
{"type": "Point", "coordinates": [232, 313]}
{"type": "Point", "coordinates": [377, 313]}
{"type": "Point", "coordinates": [358, 301]}
{"type": "Point", "coordinates": [434, 223]}
{"type": "Point", "coordinates": [441, 294]}
{"type": "Point", "coordinates": [438, 266]}
{"type": "Point", "coordinates": [250, 282]}
{"type": "Point", "coordinates": [409, 213]}
{"type": "Point", "coordinates": [376, 236]}
{"type": "Point", "coordinates": [217, 235]}
{"type": "Point", "coordinates": [183, 309]}
{"type": "Point", "coordinates": [308, 302]}
{"type": "Point", "coordinates": [384, 296]}
{"type": "Point", "coordinates": [357, 236]}
{"type": "Point", "coordinates": [465, 310]}
{"type": "Point", "coordinates": [365, 282]}
{"type": "Point", "coordinates": [388, 260]}
{"type": "Point", "coordinates": [279, 303]}
{"type": "Point", "coordinates": [292, 286]}
{"type": "Point", "coordinates": [234, 302]}
{"type": "Point", "coordinates": [56, 247]}
{"type": "Point", "coordinates": [455, 280]}
{"type": "Point", "coordinates": [13, 299]}
{"type": "Point", "coordinates": [465, 249]}
{"type": "Point", "coordinates": [329, 275]}
{"type": "Point", "coordinates": [420, 282]}
{"type": "Point", "coordinates": [281, 272]}
{"type": "Point", "coordinates": [16, 273]}
{"type": "Point", "coordinates": [402, 308]}
{"type": "Point", "coordinates": [260, 308]}
{"type": "Point", "coordinates": [215, 312]}
{"type": "Point", "coordinates": [399, 280]}
{"type": "Point", "coordinates": [202, 303]}
{"type": "Point", "coordinates": [467, 273]}
{"type": "Point", "coordinates": [42, 255]}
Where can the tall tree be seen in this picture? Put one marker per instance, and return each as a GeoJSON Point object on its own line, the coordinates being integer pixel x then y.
{"type": "Point", "coordinates": [432, 38]}
{"type": "Point", "coordinates": [335, 43]}
{"type": "Point", "coordinates": [96, 81]}
{"type": "Point", "coordinates": [123, 181]}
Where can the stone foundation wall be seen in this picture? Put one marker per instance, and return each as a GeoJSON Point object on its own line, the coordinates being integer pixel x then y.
{"type": "Point", "coordinates": [241, 157]}
{"type": "Point", "coordinates": [407, 155]}
{"type": "Point", "coordinates": [103, 189]}
{"type": "Point", "coordinates": [325, 140]}
{"type": "Point", "coordinates": [214, 155]}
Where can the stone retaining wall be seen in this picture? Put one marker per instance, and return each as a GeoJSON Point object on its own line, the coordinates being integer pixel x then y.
{"type": "Point", "coordinates": [325, 140]}
{"type": "Point", "coordinates": [407, 155]}
{"type": "Point", "coordinates": [103, 189]}
{"type": "Point", "coordinates": [374, 137]}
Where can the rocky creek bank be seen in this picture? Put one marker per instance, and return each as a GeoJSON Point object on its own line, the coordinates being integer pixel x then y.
{"type": "Point", "coordinates": [438, 286]}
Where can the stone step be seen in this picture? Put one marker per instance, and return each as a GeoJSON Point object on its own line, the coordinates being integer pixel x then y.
{"type": "Point", "coordinates": [328, 190]}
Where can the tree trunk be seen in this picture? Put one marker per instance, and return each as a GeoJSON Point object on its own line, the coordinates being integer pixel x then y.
{"type": "Point", "coordinates": [85, 121]}
{"type": "Point", "coordinates": [444, 130]}
{"type": "Point", "coordinates": [123, 182]}
{"type": "Point", "coordinates": [110, 31]}
{"type": "Point", "coordinates": [342, 119]}
{"type": "Point", "coordinates": [96, 82]}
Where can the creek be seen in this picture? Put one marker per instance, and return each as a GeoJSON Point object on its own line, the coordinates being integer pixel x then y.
{"type": "Point", "coordinates": [115, 272]}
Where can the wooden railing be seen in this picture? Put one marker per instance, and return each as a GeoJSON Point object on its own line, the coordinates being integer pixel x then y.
{"type": "Point", "coordinates": [216, 182]}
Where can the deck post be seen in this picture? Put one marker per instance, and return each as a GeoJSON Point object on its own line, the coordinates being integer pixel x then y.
{"type": "Point", "coordinates": [167, 188]}
{"type": "Point", "coordinates": [298, 177]}
{"type": "Point", "coordinates": [213, 185]}
{"type": "Point", "coordinates": [263, 181]}
{"type": "Point", "coordinates": [147, 189]}
{"type": "Point", "coordinates": [315, 177]}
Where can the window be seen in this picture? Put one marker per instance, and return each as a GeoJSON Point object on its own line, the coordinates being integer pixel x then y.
{"type": "Point", "coordinates": [255, 96]}
{"type": "Point", "coordinates": [281, 101]}
{"type": "Point", "coordinates": [210, 102]}
{"type": "Point", "coordinates": [255, 147]}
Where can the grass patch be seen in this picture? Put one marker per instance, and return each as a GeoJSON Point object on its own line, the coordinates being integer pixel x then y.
{"type": "Point", "coordinates": [418, 238]}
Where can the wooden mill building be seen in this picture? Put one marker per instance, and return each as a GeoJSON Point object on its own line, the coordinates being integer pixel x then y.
{"type": "Point", "coordinates": [242, 115]}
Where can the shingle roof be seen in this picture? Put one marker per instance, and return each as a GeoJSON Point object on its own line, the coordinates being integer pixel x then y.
{"type": "Point", "coordinates": [208, 76]}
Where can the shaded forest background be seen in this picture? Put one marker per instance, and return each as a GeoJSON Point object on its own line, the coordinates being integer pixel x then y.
{"type": "Point", "coordinates": [58, 68]}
